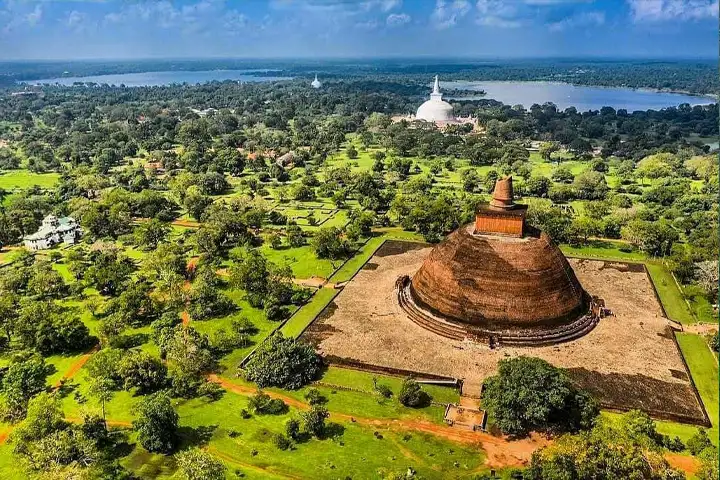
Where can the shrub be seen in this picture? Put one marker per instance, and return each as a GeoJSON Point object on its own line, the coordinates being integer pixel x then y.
{"type": "Point", "coordinates": [283, 362]}
{"type": "Point", "coordinates": [261, 403]}
{"type": "Point", "coordinates": [699, 442]}
{"type": "Point", "coordinates": [314, 420]}
{"type": "Point", "coordinates": [196, 464]}
{"type": "Point", "coordinates": [411, 395]}
{"type": "Point", "coordinates": [314, 397]}
{"type": "Point", "coordinates": [292, 429]}
{"type": "Point", "coordinates": [281, 441]}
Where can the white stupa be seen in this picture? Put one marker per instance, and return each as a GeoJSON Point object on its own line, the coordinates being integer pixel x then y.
{"type": "Point", "coordinates": [435, 110]}
{"type": "Point", "coordinates": [316, 83]}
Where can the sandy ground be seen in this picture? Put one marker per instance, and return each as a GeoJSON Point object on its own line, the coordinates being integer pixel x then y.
{"type": "Point", "coordinates": [628, 361]}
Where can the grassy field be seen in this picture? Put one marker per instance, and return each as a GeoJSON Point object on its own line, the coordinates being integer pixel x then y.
{"type": "Point", "coordinates": [671, 297]}
{"type": "Point", "coordinates": [20, 179]}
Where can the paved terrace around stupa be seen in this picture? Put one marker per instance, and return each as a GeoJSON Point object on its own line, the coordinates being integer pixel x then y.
{"type": "Point", "coordinates": [629, 359]}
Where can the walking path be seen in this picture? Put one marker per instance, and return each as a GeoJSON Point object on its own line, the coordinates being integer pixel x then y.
{"type": "Point", "coordinates": [76, 366]}
{"type": "Point", "coordinates": [500, 451]}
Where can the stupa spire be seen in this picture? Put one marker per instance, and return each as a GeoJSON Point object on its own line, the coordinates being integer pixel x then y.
{"type": "Point", "coordinates": [436, 87]}
{"type": "Point", "coordinates": [503, 194]}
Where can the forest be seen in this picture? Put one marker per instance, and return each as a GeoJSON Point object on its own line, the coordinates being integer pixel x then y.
{"type": "Point", "coordinates": [205, 210]}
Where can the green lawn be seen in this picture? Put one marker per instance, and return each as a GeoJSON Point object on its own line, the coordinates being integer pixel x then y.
{"type": "Point", "coordinates": [671, 297]}
{"type": "Point", "coordinates": [303, 317]}
{"type": "Point", "coordinates": [602, 249]}
{"type": "Point", "coordinates": [302, 260]}
{"type": "Point", "coordinates": [21, 179]}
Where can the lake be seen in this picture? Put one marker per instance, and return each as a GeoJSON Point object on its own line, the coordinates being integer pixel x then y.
{"type": "Point", "coordinates": [151, 79]}
{"type": "Point", "coordinates": [581, 97]}
{"type": "Point", "coordinates": [525, 93]}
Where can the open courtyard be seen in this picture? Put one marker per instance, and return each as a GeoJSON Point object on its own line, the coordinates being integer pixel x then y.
{"type": "Point", "coordinates": [630, 360]}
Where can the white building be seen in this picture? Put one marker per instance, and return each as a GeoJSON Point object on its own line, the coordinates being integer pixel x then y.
{"type": "Point", "coordinates": [54, 230]}
{"type": "Point", "coordinates": [316, 83]}
{"type": "Point", "coordinates": [435, 109]}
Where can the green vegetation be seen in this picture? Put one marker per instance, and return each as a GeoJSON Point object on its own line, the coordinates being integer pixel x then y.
{"type": "Point", "coordinates": [199, 231]}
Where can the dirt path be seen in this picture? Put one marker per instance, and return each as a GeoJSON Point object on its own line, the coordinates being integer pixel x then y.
{"type": "Point", "coordinates": [701, 328]}
{"type": "Point", "coordinates": [76, 366]}
{"type": "Point", "coordinates": [185, 318]}
{"type": "Point", "coordinates": [500, 451]}
{"type": "Point", "coordinates": [689, 465]}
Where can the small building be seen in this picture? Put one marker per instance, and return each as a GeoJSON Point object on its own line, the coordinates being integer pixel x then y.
{"type": "Point", "coordinates": [53, 231]}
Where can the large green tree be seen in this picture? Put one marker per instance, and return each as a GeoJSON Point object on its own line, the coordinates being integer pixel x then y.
{"type": "Point", "coordinates": [528, 394]}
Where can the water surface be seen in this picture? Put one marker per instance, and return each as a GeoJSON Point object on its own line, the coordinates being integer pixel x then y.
{"type": "Point", "coordinates": [150, 79]}
{"type": "Point", "coordinates": [583, 98]}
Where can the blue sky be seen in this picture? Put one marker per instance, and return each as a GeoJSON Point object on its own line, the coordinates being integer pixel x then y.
{"type": "Point", "coordinates": [55, 29]}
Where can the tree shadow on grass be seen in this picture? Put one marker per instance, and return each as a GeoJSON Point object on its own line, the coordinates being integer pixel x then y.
{"type": "Point", "coordinates": [195, 437]}
{"type": "Point", "coordinates": [128, 341]}
{"type": "Point", "coordinates": [332, 430]}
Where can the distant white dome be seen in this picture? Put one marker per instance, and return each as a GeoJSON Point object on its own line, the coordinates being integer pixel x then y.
{"type": "Point", "coordinates": [435, 109]}
{"type": "Point", "coordinates": [316, 83]}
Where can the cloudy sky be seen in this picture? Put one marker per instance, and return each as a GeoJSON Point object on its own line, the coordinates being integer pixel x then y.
{"type": "Point", "coordinates": [57, 29]}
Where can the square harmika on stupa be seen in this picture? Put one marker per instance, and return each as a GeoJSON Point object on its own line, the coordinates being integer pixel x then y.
{"type": "Point", "coordinates": [499, 281]}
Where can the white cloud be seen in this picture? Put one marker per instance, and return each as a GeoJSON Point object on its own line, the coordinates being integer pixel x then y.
{"type": "Point", "coordinates": [497, 14]}
{"type": "Point", "coordinates": [662, 10]}
{"type": "Point", "coordinates": [498, 22]}
{"type": "Point", "coordinates": [446, 14]}
{"type": "Point", "coordinates": [18, 19]}
{"type": "Point", "coordinates": [397, 19]}
{"type": "Point", "coordinates": [369, 25]}
{"type": "Point", "coordinates": [234, 21]}
{"type": "Point", "coordinates": [584, 19]}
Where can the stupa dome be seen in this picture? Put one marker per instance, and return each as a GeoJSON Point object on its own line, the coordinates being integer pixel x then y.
{"type": "Point", "coordinates": [316, 83]}
{"type": "Point", "coordinates": [498, 279]}
{"type": "Point", "coordinates": [435, 109]}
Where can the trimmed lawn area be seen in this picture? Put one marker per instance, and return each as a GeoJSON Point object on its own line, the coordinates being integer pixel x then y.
{"type": "Point", "coordinates": [301, 260]}
{"type": "Point", "coordinates": [603, 249]}
{"type": "Point", "coordinates": [671, 297]}
{"type": "Point", "coordinates": [303, 317]}
{"type": "Point", "coordinates": [704, 369]}
{"type": "Point", "coordinates": [22, 179]}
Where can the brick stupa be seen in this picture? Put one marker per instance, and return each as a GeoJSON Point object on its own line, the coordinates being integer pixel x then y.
{"type": "Point", "coordinates": [498, 279]}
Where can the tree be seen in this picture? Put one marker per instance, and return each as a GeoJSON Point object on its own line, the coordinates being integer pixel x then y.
{"type": "Point", "coordinates": [707, 277]}
{"type": "Point", "coordinates": [563, 174]}
{"type": "Point", "coordinates": [197, 464]}
{"type": "Point", "coordinates": [313, 420]}
{"type": "Point", "coordinates": [655, 166]}
{"type": "Point", "coordinates": [606, 452]}
{"type": "Point", "coordinates": [328, 243]}
{"type": "Point", "coordinates": [530, 394]}
{"type": "Point", "coordinates": [352, 152]}
{"type": "Point", "coordinates": [156, 424]}
{"type": "Point", "coordinates": [151, 233]}
{"type": "Point", "coordinates": [195, 202]}
{"type": "Point", "coordinates": [141, 370]}
{"type": "Point", "coordinates": [591, 185]}
{"type": "Point", "coordinates": [189, 351]}
{"type": "Point", "coordinates": [547, 149]}
{"type": "Point", "coordinates": [537, 186]}
{"type": "Point", "coordinates": [411, 395]}
{"type": "Point", "coordinates": [109, 270]}
{"type": "Point", "coordinates": [294, 236]}
{"type": "Point", "coordinates": [283, 362]}
{"type": "Point", "coordinates": [24, 378]}
{"type": "Point", "coordinates": [653, 238]}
